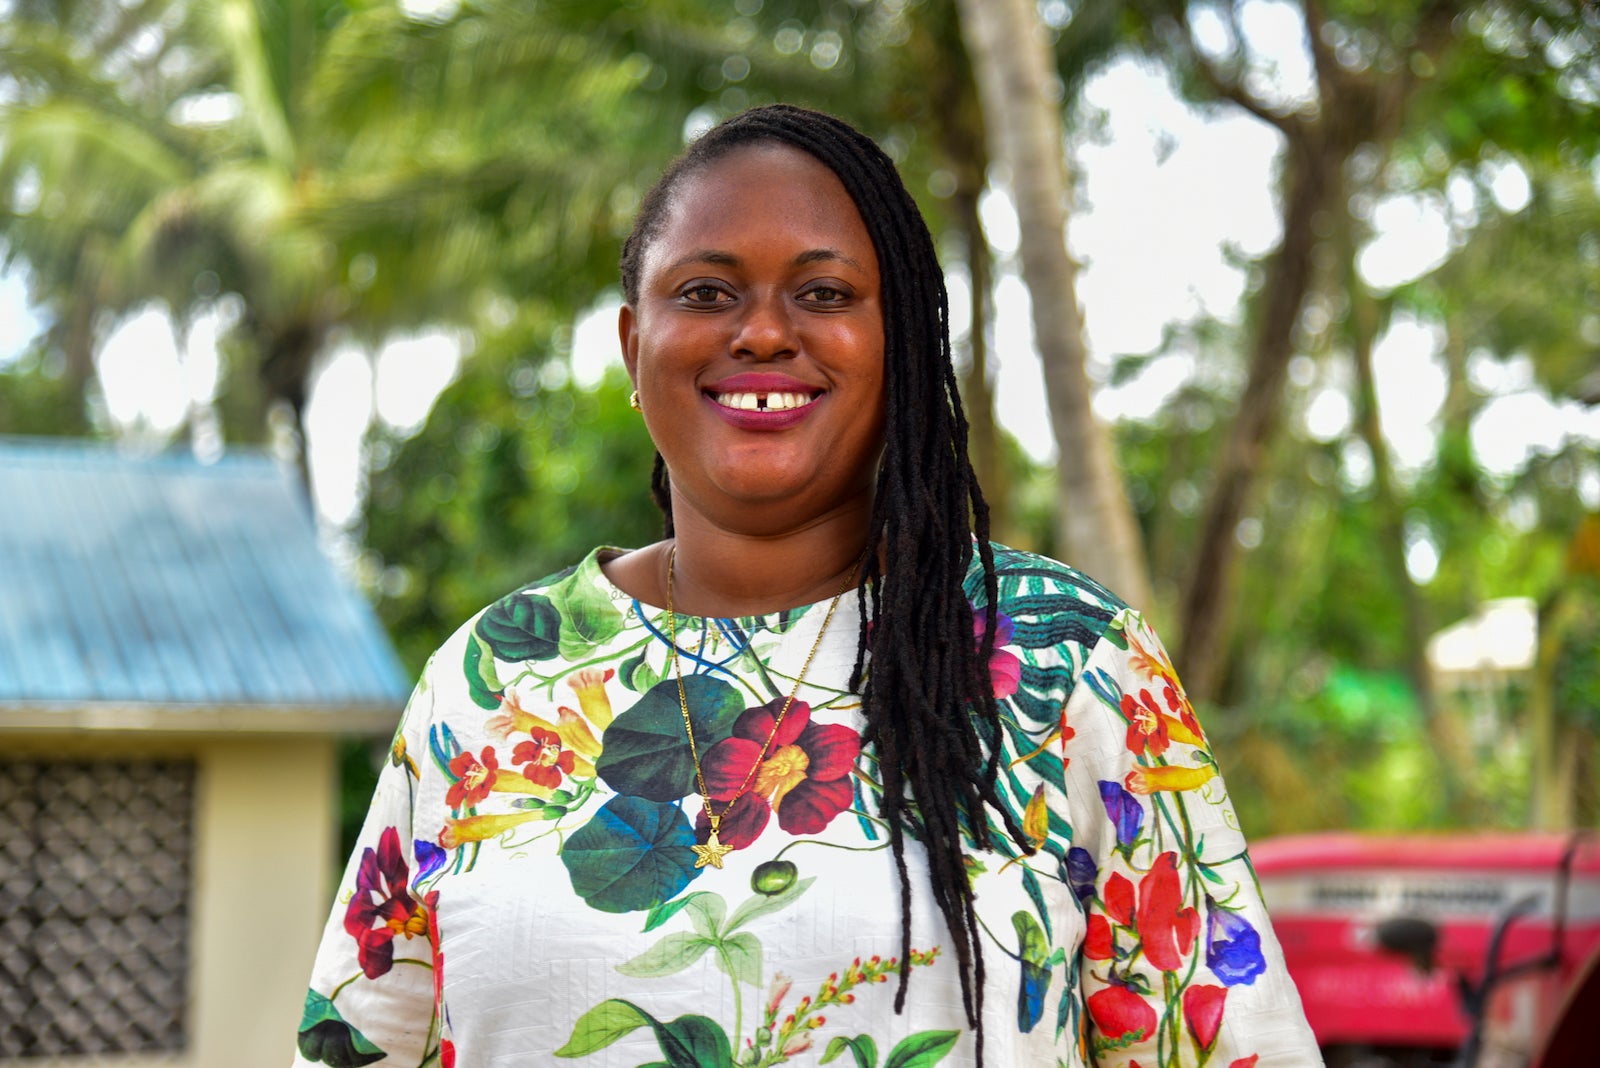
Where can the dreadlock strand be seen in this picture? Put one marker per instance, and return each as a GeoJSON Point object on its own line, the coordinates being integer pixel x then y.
{"type": "Point", "coordinates": [661, 493]}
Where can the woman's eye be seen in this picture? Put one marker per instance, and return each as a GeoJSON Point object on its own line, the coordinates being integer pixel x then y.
{"type": "Point", "coordinates": [702, 294]}
{"type": "Point", "coordinates": [825, 295]}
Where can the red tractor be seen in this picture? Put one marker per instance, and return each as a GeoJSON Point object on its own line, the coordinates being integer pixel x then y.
{"type": "Point", "coordinates": [1472, 950]}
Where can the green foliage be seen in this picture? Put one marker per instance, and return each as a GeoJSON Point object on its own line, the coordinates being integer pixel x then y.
{"type": "Point", "coordinates": [37, 397]}
{"type": "Point", "coordinates": [1577, 663]}
{"type": "Point", "coordinates": [479, 171]}
{"type": "Point", "coordinates": [506, 482]}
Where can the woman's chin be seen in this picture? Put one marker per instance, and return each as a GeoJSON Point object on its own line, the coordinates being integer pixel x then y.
{"type": "Point", "coordinates": [771, 500]}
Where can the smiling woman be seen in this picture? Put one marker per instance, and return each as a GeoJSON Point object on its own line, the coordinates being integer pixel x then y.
{"type": "Point", "coordinates": [826, 735]}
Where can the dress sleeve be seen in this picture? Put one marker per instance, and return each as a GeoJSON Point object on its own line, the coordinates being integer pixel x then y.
{"type": "Point", "coordinates": [371, 997]}
{"type": "Point", "coordinates": [1179, 964]}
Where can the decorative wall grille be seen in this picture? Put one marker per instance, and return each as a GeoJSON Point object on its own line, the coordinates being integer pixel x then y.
{"type": "Point", "coordinates": [94, 906]}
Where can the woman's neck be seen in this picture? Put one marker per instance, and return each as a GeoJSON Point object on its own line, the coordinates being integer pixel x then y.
{"type": "Point", "coordinates": [722, 572]}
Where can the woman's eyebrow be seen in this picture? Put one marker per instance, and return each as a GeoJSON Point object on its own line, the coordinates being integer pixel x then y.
{"type": "Point", "coordinates": [727, 259]}
{"type": "Point", "coordinates": [705, 255]}
{"type": "Point", "coordinates": [819, 255]}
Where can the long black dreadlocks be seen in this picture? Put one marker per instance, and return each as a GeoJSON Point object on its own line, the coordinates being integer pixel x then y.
{"type": "Point", "coordinates": [930, 710]}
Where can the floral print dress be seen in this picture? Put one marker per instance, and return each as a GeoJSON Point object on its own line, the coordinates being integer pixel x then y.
{"type": "Point", "coordinates": [525, 889]}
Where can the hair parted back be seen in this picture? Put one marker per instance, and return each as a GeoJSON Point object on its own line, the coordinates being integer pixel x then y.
{"type": "Point", "coordinates": [931, 717]}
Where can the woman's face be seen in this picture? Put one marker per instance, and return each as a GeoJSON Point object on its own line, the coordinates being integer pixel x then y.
{"type": "Point", "coordinates": [756, 343]}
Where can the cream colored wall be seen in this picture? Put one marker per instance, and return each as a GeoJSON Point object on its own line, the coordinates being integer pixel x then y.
{"type": "Point", "coordinates": [265, 844]}
{"type": "Point", "coordinates": [263, 866]}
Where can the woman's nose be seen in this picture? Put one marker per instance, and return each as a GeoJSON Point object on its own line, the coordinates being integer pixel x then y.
{"type": "Point", "coordinates": [766, 328]}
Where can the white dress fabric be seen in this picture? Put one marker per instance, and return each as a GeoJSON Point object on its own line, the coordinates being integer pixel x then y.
{"type": "Point", "coordinates": [524, 891]}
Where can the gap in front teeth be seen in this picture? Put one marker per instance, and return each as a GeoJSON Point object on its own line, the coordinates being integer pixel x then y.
{"type": "Point", "coordinates": [764, 402]}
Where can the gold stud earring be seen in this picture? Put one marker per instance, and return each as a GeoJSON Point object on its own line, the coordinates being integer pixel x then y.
{"type": "Point", "coordinates": [633, 401]}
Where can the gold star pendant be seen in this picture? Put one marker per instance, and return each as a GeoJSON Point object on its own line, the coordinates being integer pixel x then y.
{"type": "Point", "coordinates": [711, 853]}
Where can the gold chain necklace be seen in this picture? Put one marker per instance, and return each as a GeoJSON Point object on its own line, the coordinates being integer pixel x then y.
{"type": "Point", "coordinates": [713, 851]}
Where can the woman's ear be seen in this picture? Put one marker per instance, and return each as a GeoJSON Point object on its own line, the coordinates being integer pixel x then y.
{"type": "Point", "coordinates": [628, 335]}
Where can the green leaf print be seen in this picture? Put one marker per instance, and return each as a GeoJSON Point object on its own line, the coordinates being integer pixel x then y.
{"type": "Point", "coordinates": [921, 1050]}
{"type": "Point", "coordinates": [646, 750]}
{"type": "Point", "coordinates": [763, 904]}
{"type": "Point", "coordinates": [521, 626]}
{"type": "Point", "coordinates": [861, 1047]}
{"type": "Point", "coordinates": [671, 955]}
{"type": "Point", "coordinates": [706, 912]}
{"type": "Point", "coordinates": [687, 1042]}
{"type": "Point", "coordinates": [603, 1025]}
{"type": "Point", "coordinates": [695, 1042]}
{"type": "Point", "coordinates": [636, 674]}
{"type": "Point", "coordinates": [588, 616]}
{"type": "Point", "coordinates": [665, 911]}
{"type": "Point", "coordinates": [483, 685]}
{"type": "Point", "coordinates": [1030, 883]}
{"type": "Point", "coordinates": [739, 957]}
{"type": "Point", "coordinates": [1033, 951]}
{"type": "Point", "coordinates": [633, 855]}
{"type": "Point", "coordinates": [325, 1037]}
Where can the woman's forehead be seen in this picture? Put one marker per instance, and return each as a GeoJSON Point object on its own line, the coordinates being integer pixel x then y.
{"type": "Point", "coordinates": [764, 187]}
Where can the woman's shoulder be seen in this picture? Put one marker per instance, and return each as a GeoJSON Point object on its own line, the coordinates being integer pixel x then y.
{"type": "Point", "coordinates": [564, 612]}
{"type": "Point", "coordinates": [1071, 605]}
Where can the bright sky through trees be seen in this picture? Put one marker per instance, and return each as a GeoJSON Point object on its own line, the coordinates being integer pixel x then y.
{"type": "Point", "coordinates": [1170, 200]}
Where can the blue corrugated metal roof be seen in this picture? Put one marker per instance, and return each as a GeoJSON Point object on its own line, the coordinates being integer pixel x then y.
{"type": "Point", "coordinates": [156, 581]}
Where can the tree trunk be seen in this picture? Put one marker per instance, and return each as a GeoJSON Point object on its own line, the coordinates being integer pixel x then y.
{"type": "Point", "coordinates": [288, 354]}
{"type": "Point", "coordinates": [1096, 527]}
{"type": "Point", "coordinates": [1313, 186]}
{"type": "Point", "coordinates": [958, 119]}
{"type": "Point", "coordinates": [1443, 724]}
{"type": "Point", "coordinates": [1554, 787]}
{"type": "Point", "coordinates": [1353, 109]}
{"type": "Point", "coordinates": [1363, 329]}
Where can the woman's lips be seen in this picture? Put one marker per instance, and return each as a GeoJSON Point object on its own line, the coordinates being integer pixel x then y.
{"type": "Point", "coordinates": [762, 411]}
{"type": "Point", "coordinates": [758, 400]}
{"type": "Point", "coordinates": [763, 402]}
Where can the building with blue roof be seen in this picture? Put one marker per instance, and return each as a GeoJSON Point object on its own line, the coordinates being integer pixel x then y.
{"type": "Point", "coordinates": [178, 659]}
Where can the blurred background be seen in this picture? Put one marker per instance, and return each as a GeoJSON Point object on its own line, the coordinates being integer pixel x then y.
{"type": "Point", "coordinates": [1337, 362]}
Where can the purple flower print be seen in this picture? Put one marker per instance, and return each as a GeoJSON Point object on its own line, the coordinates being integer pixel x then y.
{"type": "Point", "coordinates": [1081, 872]}
{"type": "Point", "coordinates": [1125, 812]}
{"type": "Point", "coordinates": [1233, 947]}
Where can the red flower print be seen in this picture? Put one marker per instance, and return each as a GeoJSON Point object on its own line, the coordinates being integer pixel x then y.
{"type": "Point", "coordinates": [1167, 930]}
{"type": "Point", "coordinates": [1120, 1014]}
{"type": "Point", "coordinates": [1119, 900]}
{"type": "Point", "coordinates": [804, 778]}
{"type": "Point", "coordinates": [1178, 702]}
{"type": "Point", "coordinates": [1005, 669]}
{"type": "Point", "coordinates": [1097, 943]}
{"type": "Point", "coordinates": [432, 901]}
{"type": "Point", "coordinates": [447, 1049]}
{"type": "Point", "coordinates": [1202, 1011]}
{"type": "Point", "coordinates": [1246, 1062]}
{"type": "Point", "coordinates": [544, 758]}
{"type": "Point", "coordinates": [382, 906]}
{"type": "Point", "coordinates": [1147, 730]}
{"type": "Point", "coordinates": [474, 778]}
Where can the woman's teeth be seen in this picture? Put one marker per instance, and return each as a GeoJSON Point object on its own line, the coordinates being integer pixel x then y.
{"type": "Point", "coordinates": [763, 402]}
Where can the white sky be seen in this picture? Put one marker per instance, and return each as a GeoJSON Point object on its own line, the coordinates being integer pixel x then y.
{"type": "Point", "coordinates": [1163, 202]}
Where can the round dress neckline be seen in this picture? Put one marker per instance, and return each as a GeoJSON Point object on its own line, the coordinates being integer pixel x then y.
{"type": "Point", "coordinates": [602, 553]}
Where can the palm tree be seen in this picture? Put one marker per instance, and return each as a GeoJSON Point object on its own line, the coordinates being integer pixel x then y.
{"type": "Point", "coordinates": [345, 170]}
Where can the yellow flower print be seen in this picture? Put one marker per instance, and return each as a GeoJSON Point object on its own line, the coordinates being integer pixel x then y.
{"type": "Point", "coordinates": [590, 686]}
{"type": "Point", "coordinates": [1171, 777]}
